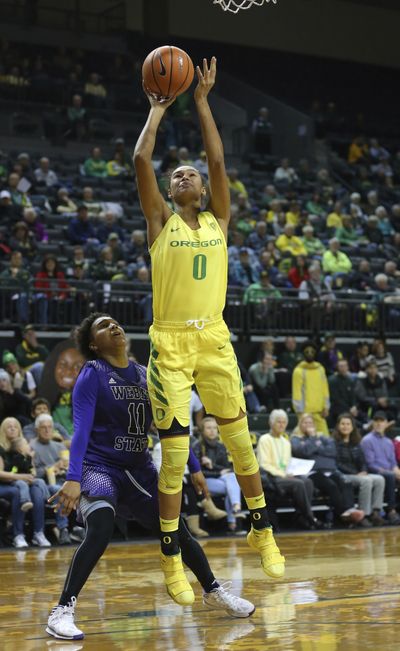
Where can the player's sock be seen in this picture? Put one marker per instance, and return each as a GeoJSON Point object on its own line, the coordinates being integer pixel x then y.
{"type": "Point", "coordinates": [258, 512]}
{"type": "Point", "coordinates": [169, 536]}
{"type": "Point", "coordinates": [99, 530]}
{"type": "Point", "coordinates": [194, 557]}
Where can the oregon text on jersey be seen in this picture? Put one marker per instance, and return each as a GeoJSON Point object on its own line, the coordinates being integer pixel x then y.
{"type": "Point", "coordinates": [196, 245]}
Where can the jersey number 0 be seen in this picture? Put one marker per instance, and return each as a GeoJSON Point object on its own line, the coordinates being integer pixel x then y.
{"type": "Point", "coordinates": [199, 266]}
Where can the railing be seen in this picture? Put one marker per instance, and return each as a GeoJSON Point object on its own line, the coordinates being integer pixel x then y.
{"type": "Point", "coordinates": [130, 303]}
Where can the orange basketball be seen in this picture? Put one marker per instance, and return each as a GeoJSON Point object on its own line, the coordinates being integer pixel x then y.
{"type": "Point", "coordinates": [167, 71]}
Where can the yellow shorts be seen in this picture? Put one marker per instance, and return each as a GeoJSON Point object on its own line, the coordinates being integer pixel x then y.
{"type": "Point", "coordinates": [183, 355]}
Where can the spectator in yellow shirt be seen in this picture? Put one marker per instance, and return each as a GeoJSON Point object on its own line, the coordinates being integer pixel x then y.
{"type": "Point", "coordinates": [335, 261]}
{"type": "Point", "coordinates": [294, 213]}
{"type": "Point", "coordinates": [358, 151]}
{"type": "Point", "coordinates": [334, 220]}
{"type": "Point", "coordinates": [235, 185]}
{"type": "Point", "coordinates": [289, 242]}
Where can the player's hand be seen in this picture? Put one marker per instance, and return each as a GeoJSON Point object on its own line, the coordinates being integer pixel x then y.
{"type": "Point", "coordinates": [158, 100]}
{"type": "Point", "coordinates": [67, 497]}
{"type": "Point", "coordinates": [206, 78]}
{"type": "Point", "coordinates": [200, 484]}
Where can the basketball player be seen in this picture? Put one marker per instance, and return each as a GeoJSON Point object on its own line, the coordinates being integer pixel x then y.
{"type": "Point", "coordinates": [190, 342]}
{"type": "Point", "coordinates": [110, 468]}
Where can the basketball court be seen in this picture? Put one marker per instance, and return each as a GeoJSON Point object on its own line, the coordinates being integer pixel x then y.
{"type": "Point", "coordinates": [341, 592]}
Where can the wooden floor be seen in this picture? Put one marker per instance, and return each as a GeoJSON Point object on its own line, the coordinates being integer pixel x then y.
{"type": "Point", "coordinates": [341, 593]}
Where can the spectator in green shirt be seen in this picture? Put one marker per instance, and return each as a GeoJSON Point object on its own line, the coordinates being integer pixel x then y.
{"type": "Point", "coordinates": [346, 233]}
{"type": "Point", "coordinates": [29, 352]}
{"type": "Point", "coordinates": [95, 165]}
{"type": "Point", "coordinates": [335, 261]}
{"type": "Point", "coordinates": [313, 245]}
{"type": "Point", "coordinates": [261, 291]}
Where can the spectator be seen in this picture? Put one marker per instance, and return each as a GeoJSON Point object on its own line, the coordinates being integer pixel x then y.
{"type": "Point", "coordinates": [76, 119]}
{"type": "Point", "coordinates": [288, 242]}
{"type": "Point", "coordinates": [18, 278]}
{"type": "Point", "coordinates": [299, 271]}
{"type": "Point", "coordinates": [80, 229]}
{"type": "Point", "coordinates": [358, 151]}
{"type": "Point", "coordinates": [42, 406]}
{"type": "Point", "coordinates": [312, 244]}
{"type": "Point", "coordinates": [263, 379]}
{"type": "Point", "coordinates": [64, 204]}
{"type": "Point", "coordinates": [201, 164]}
{"type": "Point", "coordinates": [274, 455]}
{"type": "Point", "coordinates": [109, 225]}
{"type": "Point", "coordinates": [342, 392]}
{"type": "Point", "coordinates": [384, 223]}
{"type": "Point", "coordinates": [235, 185]}
{"type": "Point", "coordinates": [48, 452]}
{"type": "Point", "coordinates": [23, 240]}
{"type": "Point", "coordinates": [258, 239]}
{"type": "Point", "coordinates": [95, 208]}
{"type": "Point", "coordinates": [20, 379]}
{"type": "Point", "coordinates": [358, 361]}
{"type": "Point", "coordinates": [44, 175]}
{"type": "Point", "coordinates": [362, 280]}
{"type": "Point", "coordinates": [351, 462]}
{"type": "Point", "coordinates": [118, 166]}
{"type": "Point", "coordinates": [392, 272]}
{"type": "Point", "coordinates": [334, 261]}
{"type": "Point", "coordinates": [117, 250]}
{"type": "Point", "coordinates": [381, 459]}
{"type": "Point", "coordinates": [384, 361]}
{"type": "Point", "coordinates": [136, 251]}
{"type": "Point", "coordinates": [260, 292]}
{"type": "Point", "coordinates": [315, 205]}
{"type": "Point", "coordinates": [252, 403]}
{"type": "Point", "coordinates": [95, 91]}
{"type": "Point", "coordinates": [261, 130]}
{"type": "Point", "coordinates": [34, 225]}
{"type": "Point", "coordinates": [30, 354]}
{"type": "Point", "coordinates": [218, 471]}
{"type": "Point", "coordinates": [242, 272]}
{"type": "Point", "coordinates": [19, 197]}
{"type": "Point", "coordinates": [335, 218]}
{"type": "Point", "coordinates": [373, 233]}
{"type": "Point", "coordinates": [307, 443]}
{"type": "Point", "coordinates": [9, 483]}
{"type": "Point", "coordinates": [106, 268]}
{"type": "Point", "coordinates": [9, 211]}
{"type": "Point", "coordinates": [329, 354]}
{"type": "Point", "coordinates": [372, 393]}
{"type": "Point", "coordinates": [284, 174]}
{"type": "Point", "coordinates": [290, 355]}
{"type": "Point", "coordinates": [316, 289]}
{"type": "Point", "coordinates": [347, 234]}
{"type": "Point", "coordinates": [95, 165]}
{"type": "Point", "coordinates": [184, 157]}
{"type": "Point", "coordinates": [310, 390]}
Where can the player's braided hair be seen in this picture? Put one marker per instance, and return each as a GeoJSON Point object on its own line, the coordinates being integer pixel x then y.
{"type": "Point", "coordinates": [82, 334]}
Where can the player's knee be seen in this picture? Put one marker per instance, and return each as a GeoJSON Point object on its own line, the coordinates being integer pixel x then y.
{"type": "Point", "coordinates": [175, 452]}
{"type": "Point", "coordinates": [236, 439]}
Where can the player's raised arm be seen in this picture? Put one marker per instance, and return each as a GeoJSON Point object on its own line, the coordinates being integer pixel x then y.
{"type": "Point", "coordinates": [219, 191]}
{"type": "Point", "coordinates": [155, 208]}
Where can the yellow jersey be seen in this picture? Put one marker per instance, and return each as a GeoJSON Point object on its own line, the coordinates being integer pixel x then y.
{"type": "Point", "coordinates": [189, 270]}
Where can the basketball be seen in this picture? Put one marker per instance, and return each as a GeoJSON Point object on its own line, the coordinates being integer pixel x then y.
{"type": "Point", "coordinates": [167, 71]}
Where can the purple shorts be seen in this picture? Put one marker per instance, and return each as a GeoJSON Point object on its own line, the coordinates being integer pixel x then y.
{"type": "Point", "coordinates": [132, 492]}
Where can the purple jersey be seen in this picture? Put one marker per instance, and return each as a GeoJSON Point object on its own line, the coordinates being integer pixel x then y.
{"type": "Point", "coordinates": [112, 415]}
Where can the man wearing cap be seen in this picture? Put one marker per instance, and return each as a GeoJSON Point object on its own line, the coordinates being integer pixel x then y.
{"type": "Point", "coordinates": [241, 271]}
{"type": "Point", "coordinates": [30, 354]}
{"type": "Point", "coordinates": [20, 379]}
{"type": "Point", "coordinates": [261, 291]}
{"type": "Point", "coordinates": [380, 458]}
{"type": "Point", "coordinates": [310, 390]}
{"type": "Point", "coordinates": [9, 212]}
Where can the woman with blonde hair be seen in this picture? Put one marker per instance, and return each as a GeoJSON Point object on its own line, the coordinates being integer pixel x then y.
{"type": "Point", "coordinates": [16, 469]}
{"type": "Point", "coordinates": [307, 443]}
{"type": "Point", "coordinates": [274, 455]}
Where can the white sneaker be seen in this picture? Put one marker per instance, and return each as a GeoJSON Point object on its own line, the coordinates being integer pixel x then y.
{"type": "Point", "coordinates": [221, 599]}
{"type": "Point", "coordinates": [61, 622]}
{"type": "Point", "coordinates": [40, 540]}
{"type": "Point", "coordinates": [26, 506]}
{"type": "Point", "coordinates": [19, 542]}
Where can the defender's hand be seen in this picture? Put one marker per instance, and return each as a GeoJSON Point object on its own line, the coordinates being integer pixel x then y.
{"type": "Point", "coordinates": [68, 496]}
{"type": "Point", "coordinates": [199, 483]}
